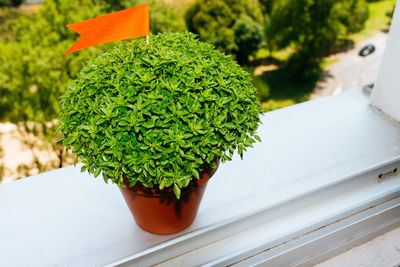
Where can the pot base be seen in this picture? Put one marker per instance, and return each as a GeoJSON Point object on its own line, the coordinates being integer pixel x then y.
{"type": "Point", "coordinates": [159, 211]}
{"type": "Point", "coordinates": [164, 214]}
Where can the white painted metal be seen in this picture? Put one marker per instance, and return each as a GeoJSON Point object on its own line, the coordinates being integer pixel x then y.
{"type": "Point", "coordinates": [271, 229]}
{"type": "Point", "coordinates": [310, 153]}
{"type": "Point", "coordinates": [386, 94]}
{"type": "Point", "coordinates": [330, 240]}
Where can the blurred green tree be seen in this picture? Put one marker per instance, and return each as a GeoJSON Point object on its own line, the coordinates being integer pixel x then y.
{"type": "Point", "coordinates": [230, 25]}
{"type": "Point", "coordinates": [313, 27]}
{"type": "Point", "coordinates": [389, 15]}
{"type": "Point", "coordinates": [33, 68]}
{"type": "Point", "coordinates": [272, 37]}
{"type": "Point", "coordinates": [163, 17]}
{"type": "Point", "coordinates": [266, 6]}
{"type": "Point", "coordinates": [10, 3]}
{"type": "Point", "coordinates": [249, 35]}
{"type": "Point", "coordinates": [34, 72]}
{"type": "Point", "coordinates": [7, 15]}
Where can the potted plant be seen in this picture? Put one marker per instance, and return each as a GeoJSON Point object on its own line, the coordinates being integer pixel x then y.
{"type": "Point", "coordinates": [155, 119]}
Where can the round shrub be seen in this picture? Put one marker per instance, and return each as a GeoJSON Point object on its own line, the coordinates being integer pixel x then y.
{"type": "Point", "coordinates": [158, 113]}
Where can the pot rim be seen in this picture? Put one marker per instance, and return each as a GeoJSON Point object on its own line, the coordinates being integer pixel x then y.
{"type": "Point", "coordinates": [156, 192]}
{"type": "Point", "coordinates": [141, 190]}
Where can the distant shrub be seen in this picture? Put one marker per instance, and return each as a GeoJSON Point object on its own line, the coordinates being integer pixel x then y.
{"type": "Point", "coordinates": [233, 26]}
{"type": "Point", "coordinates": [248, 37]}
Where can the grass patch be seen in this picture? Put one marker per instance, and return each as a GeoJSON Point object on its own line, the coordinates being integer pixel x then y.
{"type": "Point", "coordinates": [281, 55]}
{"type": "Point", "coordinates": [327, 61]}
{"type": "Point", "coordinates": [271, 104]}
{"type": "Point", "coordinates": [377, 21]}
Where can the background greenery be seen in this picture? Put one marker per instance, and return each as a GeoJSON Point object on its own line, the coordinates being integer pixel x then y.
{"type": "Point", "coordinates": [292, 39]}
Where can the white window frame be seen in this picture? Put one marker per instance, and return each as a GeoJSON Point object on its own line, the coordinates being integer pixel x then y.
{"type": "Point", "coordinates": [325, 178]}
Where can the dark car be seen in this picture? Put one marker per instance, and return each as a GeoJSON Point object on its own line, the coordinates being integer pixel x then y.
{"type": "Point", "coordinates": [368, 88]}
{"type": "Point", "coordinates": [368, 49]}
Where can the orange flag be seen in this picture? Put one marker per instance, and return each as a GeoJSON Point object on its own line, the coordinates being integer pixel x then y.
{"type": "Point", "coordinates": [125, 24]}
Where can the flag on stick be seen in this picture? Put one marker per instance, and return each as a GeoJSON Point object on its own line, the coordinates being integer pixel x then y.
{"type": "Point", "coordinates": [125, 24]}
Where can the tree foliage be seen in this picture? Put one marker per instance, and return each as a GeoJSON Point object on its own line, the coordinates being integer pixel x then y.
{"type": "Point", "coordinates": [163, 17]}
{"type": "Point", "coordinates": [159, 113]}
{"type": "Point", "coordinates": [249, 35]}
{"type": "Point", "coordinates": [34, 72]}
{"type": "Point", "coordinates": [10, 3]}
{"type": "Point", "coordinates": [228, 24]}
{"type": "Point", "coordinates": [313, 27]}
{"type": "Point", "coordinates": [389, 15]}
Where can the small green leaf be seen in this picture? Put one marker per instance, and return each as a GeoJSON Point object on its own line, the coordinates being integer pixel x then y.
{"type": "Point", "coordinates": [177, 191]}
{"type": "Point", "coordinates": [97, 172]}
{"type": "Point", "coordinates": [162, 184]}
{"type": "Point", "coordinates": [132, 183]}
{"type": "Point", "coordinates": [105, 178]}
{"type": "Point", "coordinates": [240, 150]}
{"type": "Point", "coordinates": [149, 124]}
{"type": "Point", "coordinates": [84, 168]}
{"type": "Point", "coordinates": [168, 182]}
{"type": "Point", "coordinates": [196, 174]}
{"type": "Point", "coordinates": [185, 182]}
{"type": "Point", "coordinates": [190, 157]}
{"type": "Point", "coordinates": [108, 164]}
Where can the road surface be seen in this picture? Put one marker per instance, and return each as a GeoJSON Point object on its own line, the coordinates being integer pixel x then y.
{"type": "Point", "coordinates": [352, 71]}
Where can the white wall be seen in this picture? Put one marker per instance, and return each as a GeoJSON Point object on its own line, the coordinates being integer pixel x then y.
{"type": "Point", "coordinates": [386, 93]}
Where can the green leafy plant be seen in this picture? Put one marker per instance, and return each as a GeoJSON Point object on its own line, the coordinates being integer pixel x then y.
{"type": "Point", "coordinates": [158, 113]}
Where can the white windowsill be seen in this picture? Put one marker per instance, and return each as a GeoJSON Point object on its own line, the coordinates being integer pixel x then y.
{"type": "Point", "coordinates": [316, 168]}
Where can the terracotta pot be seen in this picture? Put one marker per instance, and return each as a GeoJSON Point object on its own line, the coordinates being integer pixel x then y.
{"type": "Point", "coordinates": [159, 211]}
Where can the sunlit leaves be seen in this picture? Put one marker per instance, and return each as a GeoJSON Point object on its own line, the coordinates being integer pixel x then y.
{"type": "Point", "coordinates": [159, 113]}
